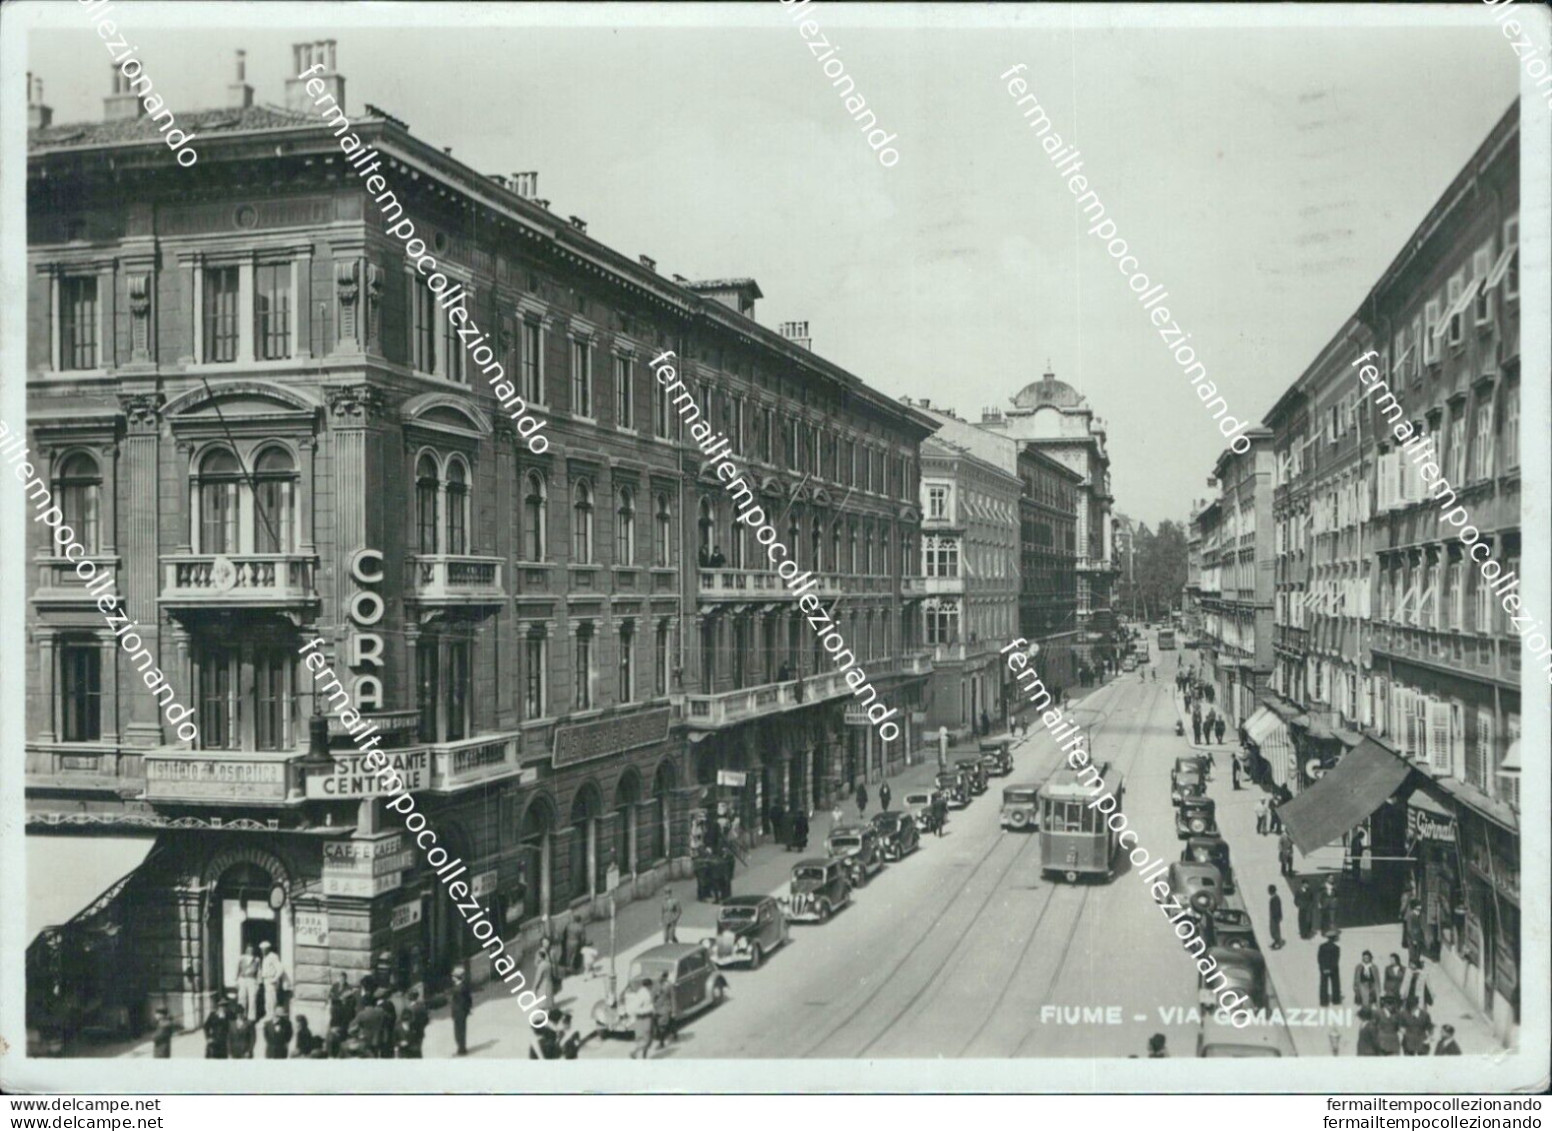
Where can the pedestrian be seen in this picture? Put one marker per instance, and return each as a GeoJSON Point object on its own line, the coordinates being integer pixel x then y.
{"type": "Point", "coordinates": [639, 1007]}
{"type": "Point", "coordinates": [1285, 854]}
{"type": "Point", "coordinates": [1327, 904]}
{"type": "Point", "coordinates": [273, 975]}
{"type": "Point", "coordinates": [371, 1030]}
{"type": "Point", "coordinates": [1196, 725]}
{"type": "Point", "coordinates": [862, 798]}
{"type": "Point", "coordinates": [1368, 1038]}
{"type": "Point", "coordinates": [1413, 928]}
{"type": "Point", "coordinates": [573, 944]}
{"type": "Point", "coordinates": [308, 1044]}
{"type": "Point", "coordinates": [1221, 726]}
{"type": "Point", "coordinates": [986, 723]}
{"type": "Point", "coordinates": [343, 1003]}
{"type": "Point", "coordinates": [239, 1037]}
{"type": "Point", "coordinates": [939, 814]}
{"type": "Point", "coordinates": [669, 915]}
{"type": "Point", "coordinates": [1304, 900]}
{"type": "Point", "coordinates": [1446, 1045]}
{"type": "Point", "coordinates": [162, 1037]}
{"type": "Point", "coordinates": [404, 1037]}
{"type": "Point", "coordinates": [463, 1005]}
{"type": "Point", "coordinates": [1366, 982]}
{"type": "Point", "coordinates": [799, 830]}
{"type": "Point", "coordinates": [836, 816]}
{"type": "Point", "coordinates": [1234, 766]}
{"type": "Point", "coordinates": [1416, 1029]}
{"type": "Point", "coordinates": [277, 1034]}
{"type": "Point", "coordinates": [1329, 959]}
{"type": "Point", "coordinates": [1156, 1049]}
{"type": "Point", "coordinates": [1417, 991]}
{"type": "Point", "coordinates": [883, 797]}
{"type": "Point", "coordinates": [1263, 807]}
{"type": "Point", "coordinates": [1392, 978]}
{"type": "Point", "coordinates": [1387, 1028]}
{"type": "Point", "coordinates": [663, 1011]}
{"type": "Point", "coordinates": [544, 971]}
{"type": "Point", "coordinates": [389, 1038]}
{"type": "Point", "coordinates": [1274, 912]}
{"type": "Point", "coordinates": [248, 980]}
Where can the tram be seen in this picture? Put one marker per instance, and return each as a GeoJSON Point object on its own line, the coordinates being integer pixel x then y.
{"type": "Point", "coordinates": [1076, 840]}
{"type": "Point", "coordinates": [1166, 640]}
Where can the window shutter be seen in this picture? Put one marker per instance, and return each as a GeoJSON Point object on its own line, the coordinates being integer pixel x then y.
{"type": "Point", "coordinates": [1440, 754]}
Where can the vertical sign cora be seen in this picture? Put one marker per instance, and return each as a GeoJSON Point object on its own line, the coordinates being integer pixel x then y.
{"type": "Point", "coordinates": [366, 647]}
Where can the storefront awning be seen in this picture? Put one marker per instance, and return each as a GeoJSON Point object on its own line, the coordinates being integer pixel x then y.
{"type": "Point", "coordinates": [1259, 724]}
{"type": "Point", "coordinates": [66, 874]}
{"type": "Point", "coordinates": [1360, 783]}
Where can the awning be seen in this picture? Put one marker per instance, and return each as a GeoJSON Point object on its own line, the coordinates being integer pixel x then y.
{"type": "Point", "coordinates": [1259, 724]}
{"type": "Point", "coordinates": [67, 874]}
{"type": "Point", "coordinates": [1360, 784]}
{"type": "Point", "coordinates": [1501, 268]}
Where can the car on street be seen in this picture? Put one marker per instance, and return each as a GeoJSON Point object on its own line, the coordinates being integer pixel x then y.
{"type": "Point", "coordinates": [898, 835]}
{"type": "Point", "coordinates": [1187, 783]}
{"type": "Point", "coordinates": [1196, 816]}
{"type": "Point", "coordinates": [918, 803]}
{"type": "Point", "coordinates": [858, 847]}
{"type": "Point", "coordinates": [1221, 1039]}
{"type": "Point", "coordinates": [975, 774]}
{"type": "Point", "coordinates": [697, 985]}
{"type": "Point", "coordinates": [1200, 763]}
{"type": "Point", "coordinates": [1244, 971]}
{"type": "Point", "coordinates": [1231, 927]}
{"type": "Point", "coordinates": [997, 757]}
{"type": "Point", "coordinates": [1021, 807]}
{"type": "Point", "coordinates": [1198, 886]}
{"type": "Point", "coordinates": [1212, 850]}
{"type": "Point", "coordinates": [956, 791]}
{"type": "Point", "coordinates": [819, 889]}
{"type": "Point", "coordinates": [1129, 664]}
{"type": "Point", "coordinates": [748, 928]}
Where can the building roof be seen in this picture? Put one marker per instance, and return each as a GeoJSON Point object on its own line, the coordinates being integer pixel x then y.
{"type": "Point", "coordinates": [1048, 392]}
{"type": "Point", "coordinates": [726, 285]}
{"type": "Point", "coordinates": [221, 120]}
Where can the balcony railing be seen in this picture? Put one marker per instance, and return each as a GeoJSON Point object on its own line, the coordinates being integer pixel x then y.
{"type": "Point", "coordinates": [944, 585]}
{"type": "Point", "coordinates": [913, 587]}
{"type": "Point", "coordinates": [238, 579]}
{"type": "Point", "coordinates": [224, 777]}
{"type": "Point", "coordinates": [722, 584]}
{"type": "Point", "coordinates": [916, 663]}
{"type": "Point", "coordinates": [457, 765]}
{"type": "Point", "coordinates": [726, 707]}
{"type": "Point", "coordinates": [454, 579]}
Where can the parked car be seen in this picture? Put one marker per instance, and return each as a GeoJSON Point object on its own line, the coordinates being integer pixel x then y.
{"type": "Point", "coordinates": [1212, 850]}
{"type": "Point", "coordinates": [1021, 808]}
{"type": "Point", "coordinates": [897, 833]}
{"type": "Point", "coordinates": [1201, 763]}
{"type": "Point", "coordinates": [975, 774]}
{"type": "Point", "coordinates": [918, 803]}
{"type": "Point", "coordinates": [1220, 1039]}
{"type": "Point", "coordinates": [818, 890]}
{"type": "Point", "coordinates": [1231, 927]}
{"type": "Point", "coordinates": [1129, 664]}
{"type": "Point", "coordinates": [956, 791]}
{"type": "Point", "coordinates": [1196, 816]}
{"type": "Point", "coordinates": [1198, 886]}
{"type": "Point", "coordinates": [858, 846]}
{"type": "Point", "coordinates": [748, 928]}
{"type": "Point", "coordinates": [1244, 970]}
{"type": "Point", "coordinates": [997, 757]}
{"type": "Point", "coordinates": [1187, 783]}
{"type": "Point", "coordinates": [697, 985]}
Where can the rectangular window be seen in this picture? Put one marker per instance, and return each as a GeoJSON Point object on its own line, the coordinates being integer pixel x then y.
{"type": "Point", "coordinates": [452, 348]}
{"type": "Point", "coordinates": [627, 664]}
{"type": "Point", "coordinates": [583, 668]}
{"type": "Point", "coordinates": [1482, 452]}
{"type": "Point", "coordinates": [1512, 426]}
{"type": "Point", "coordinates": [1481, 264]}
{"type": "Point", "coordinates": [660, 659]}
{"type": "Point", "coordinates": [218, 517]}
{"type": "Point", "coordinates": [274, 691]}
{"type": "Point", "coordinates": [1457, 449]}
{"type": "Point", "coordinates": [78, 322]}
{"type": "Point", "coordinates": [1431, 328]}
{"type": "Point", "coordinates": [534, 660]}
{"type": "Point", "coordinates": [582, 378]}
{"type": "Point", "coordinates": [1415, 362]}
{"type": "Point", "coordinates": [1485, 762]}
{"type": "Point", "coordinates": [217, 702]}
{"type": "Point", "coordinates": [937, 502]}
{"type": "Point", "coordinates": [460, 702]}
{"type": "Point", "coordinates": [428, 678]}
{"type": "Point", "coordinates": [1457, 600]}
{"type": "Point", "coordinates": [533, 344]}
{"type": "Point", "coordinates": [80, 692]}
{"type": "Point", "coordinates": [220, 314]}
{"type": "Point", "coordinates": [768, 436]}
{"type": "Point", "coordinates": [1511, 282]}
{"type": "Point", "coordinates": [272, 311]}
{"type": "Point", "coordinates": [1457, 328]}
{"type": "Point", "coordinates": [273, 508]}
{"type": "Point", "coordinates": [624, 399]}
{"type": "Point", "coordinates": [422, 328]}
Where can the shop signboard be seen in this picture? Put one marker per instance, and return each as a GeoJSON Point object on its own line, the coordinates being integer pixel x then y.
{"type": "Point", "coordinates": [311, 928]}
{"type": "Point", "coordinates": [1425, 826]}
{"type": "Point", "coordinates": [483, 884]}
{"type": "Point", "coordinates": [203, 778]}
{"type": "Point", "coordinates": [405, 915]}
{"type": "Point", "coordinates": [581, 742]}
{"type": "Point", "coordinates": [360, 887]}
{"type": "Point", "coordinates": [735, 778]}
{"type": "Point", "coordinates": [352, 777]}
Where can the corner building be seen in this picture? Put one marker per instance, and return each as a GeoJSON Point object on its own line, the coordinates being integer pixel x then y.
{"type": "Point", "coordinates": [256, 416]}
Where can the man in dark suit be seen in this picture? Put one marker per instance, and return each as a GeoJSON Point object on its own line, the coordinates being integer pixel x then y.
{"type": "Point", "coordinates": [390, 1022]}
{"type": "Point", "coordinates": [463, 1005]}
{"type": "Point", "coordinates": [162, 1037]}
{"type": "Point", "coordinates": [1446, 1045]}
{"type": "Point", "coordinates": [1274, 911]}
{"type": "Point", "coordinates": [217, 1024]}
{"type": "Point", "coordinates": [239, 1037]}
{"type": "Point", "coordinates": [372, 1025]}
{"type": "Point", "coordinates": [277, 1034]}
{"type": "Point", "coordinates": [1329, 959]}
{"type": "Point", "coordinates": [343, 1003]}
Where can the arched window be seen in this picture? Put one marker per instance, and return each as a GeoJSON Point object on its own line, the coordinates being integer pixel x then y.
{"type": "Point", "coordinates": [665, 530]}
{"type": "Point", "coordinates": [582, 522]}
{"type": "Point", "coordinates": [274, 509]}
{"type": "Point", "coordinates": [426, 504]}
{"type": "Point", "coordinates": [457, 507]}
{"type": "Point", "coordinates": [625, 528]}
{"type": "Point", "coordinates": [217, 491]}
{"type": "Point", "coordinates": [535, 518]}
{"type": "Point", "coordinates": [78, 487]}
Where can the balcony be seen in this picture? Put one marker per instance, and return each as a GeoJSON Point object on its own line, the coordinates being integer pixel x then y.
{"type": "Point", "coordinates": [709, 712]}
{"type": "Point", "coordinates": [724, 584]}
{"type": "Point", "coordinates": [912, 588]}
{"type": "Point", "coordinates": [916, 663]}
{"type": "Point", "coordinates": [454, 580]}
{"type": "Point", "coordinates": [60, 585]}
{"type": "Point", "coordinates": [950, 653]}
{"type": "Point", "coordinates": [943, 586]}
{"type": "Point", "coordinates": [224, 777]}
{"type": "Point", "coordinates": [473, 761]}
{"type": "Point", "coordinates": [253, 581]}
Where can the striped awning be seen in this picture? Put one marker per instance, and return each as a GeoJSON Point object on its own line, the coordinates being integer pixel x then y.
{"type": "Point", "coordinates": [1366, 776]}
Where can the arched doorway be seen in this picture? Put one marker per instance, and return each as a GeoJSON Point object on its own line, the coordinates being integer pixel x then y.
{"type": "Point", "coordinates": [627, 795]}
{"type": "Point", "coordinates": [536, 836]}
{"type": "Point", "coordinates": [249, 906]}
{"type": "Point", "coordinates": [663, 783]}
{"type": "Point", "coordinates": [587, 861]}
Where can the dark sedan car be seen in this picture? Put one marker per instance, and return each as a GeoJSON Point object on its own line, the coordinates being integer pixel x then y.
{"type": "Point", "coordinates": [748, 928]}
{"type": "Point", "coordinates": [898, 835]}
{"type": "Point", "coordinates": [975, 774]}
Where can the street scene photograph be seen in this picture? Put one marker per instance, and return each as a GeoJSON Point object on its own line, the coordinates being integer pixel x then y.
{"type": "Point", "coordinates": [884, 547]}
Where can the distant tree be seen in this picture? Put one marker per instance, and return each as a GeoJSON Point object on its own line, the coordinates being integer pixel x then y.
{"type": "Point", "coordinates": [1159, 565]}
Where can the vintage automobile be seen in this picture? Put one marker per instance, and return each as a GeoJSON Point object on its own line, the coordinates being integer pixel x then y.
{"type": "Point", "coordinates": [1219, 1038]}
{"type": "Point", "coordinates": [1196, 816]}
{"type": "Point", "coordinates": [819, 889]}
{"type": "Point", "coordinates": [975, 774]}
{"type": "Point", "coordinates": [1198, 886]}
{"type": "Point", "coordinates": [1021, 808]}
{"type": "Point", "coordinates": [697, 985]}
{"type": "Point", "coordinates": [748, 928]}
{"type": "Point", "coordinates": [918, 803]}
{"type": "Point", "coordinates": [1244, 970]}
{"type": "Point", "coordinates": [1231, 927]}
{"type": "Point", "coordinates": [857, 846]}
{"type": "Point", "coordinates": [997, 757]}
{"type": "Point", "coordinates": [898, 835]}
{"type": "Point", "coordinates": [1212, 850]}
{"type": "Point", "coordinates": [1201, 763]}
{"type": "Point", "coordinates": [954, 787]}
{"type": "Point", "coordinates": [1129, 664]}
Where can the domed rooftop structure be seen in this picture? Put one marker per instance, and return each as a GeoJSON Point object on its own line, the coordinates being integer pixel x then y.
{"type": "Point", "coordinates": [1048, 391]}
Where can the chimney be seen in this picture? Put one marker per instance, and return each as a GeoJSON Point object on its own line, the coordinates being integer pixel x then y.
{"type": "Point", "coordinates": [499, 178]}
{"type": "Point", "coordinates": [797, 334]}
{"type": "Point", "coordinates": [578, 223]}
{"type": "Point", "coordinates": [648, 262]}
{"type": "Point", "coordinates": [123, 104]}
{"type": "Point", "coordinates": [39, 116]}
{"type": "Point", "coordinates": [542, 203]}
{"type": "Point", "coordinates": [309, 62]}
{"type": "Point", "coordinates": [526, 185]}
{"type": "Point", "coordinates": [239, 96]}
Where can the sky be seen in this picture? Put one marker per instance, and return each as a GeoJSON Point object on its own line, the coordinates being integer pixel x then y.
{"type": "Point", "coordinates": [1265, 174]}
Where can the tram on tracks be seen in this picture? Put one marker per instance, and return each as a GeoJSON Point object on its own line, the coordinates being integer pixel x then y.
{"type": "Point", "coordinates": [1076, 840]}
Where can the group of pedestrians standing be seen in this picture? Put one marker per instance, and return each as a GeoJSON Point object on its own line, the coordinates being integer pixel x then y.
{"type": "Point", "coordinates": [1209, 727]}
{"type": "Point", "coordinates": [650, 1005]}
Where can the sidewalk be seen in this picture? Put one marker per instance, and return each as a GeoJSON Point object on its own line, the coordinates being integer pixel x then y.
{"type": "Point", "coordinates": [1292, 969]}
